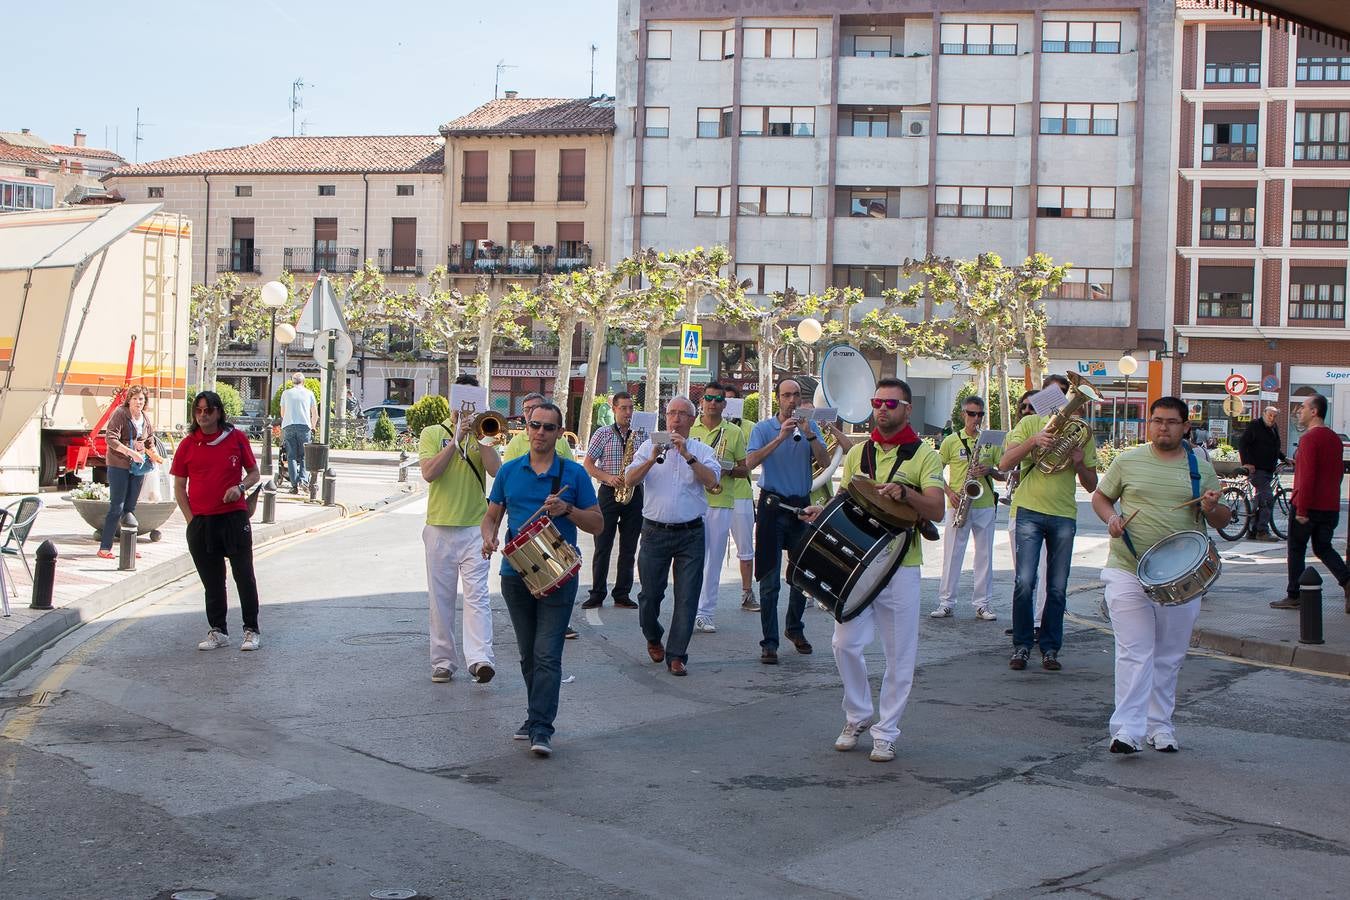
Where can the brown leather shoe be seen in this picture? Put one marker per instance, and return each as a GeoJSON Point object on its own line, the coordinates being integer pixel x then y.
{"type": "Point", "coordinates": [677, 667]}
{"type": "Point", "coordinates": [768, 657]}
{"type": "Point", "coordinates": [800, 642]}
{"type": "Point", "coordinates": [625, 603]}
{"type": "Point", "coordinates": [656, 651]}
{"type": "Point", "coordinates": [1286, 603]}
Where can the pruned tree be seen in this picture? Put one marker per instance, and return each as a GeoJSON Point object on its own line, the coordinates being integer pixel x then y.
{"type": "Point", "coordinates": [1028, 285]}
{"type": "Point", "coordinates": [651, 311]}
{"type": "Point", "coordinates": [558, 304]}
{"type": "Point", "coordinates": [224, 308]}
{"type": "Point", "coordinates": [886, 328]}
{"type": "Point", "coordinates": [769, 322]}
{"type": "Point", "coordinates": [691, 275]}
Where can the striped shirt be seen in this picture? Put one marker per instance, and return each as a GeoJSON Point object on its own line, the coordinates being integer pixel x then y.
{"type": "Point", "coordinates": [606, 447]}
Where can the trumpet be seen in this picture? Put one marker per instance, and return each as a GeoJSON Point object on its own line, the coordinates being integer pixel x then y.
{"type": "Point", "coordinates": [489, 425]}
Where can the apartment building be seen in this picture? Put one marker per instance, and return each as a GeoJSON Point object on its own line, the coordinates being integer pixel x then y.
{"type": "Point", "coordinates": [1263, 199]}
{"type": "Point", "coordinates": [72, 170]}
{"type": "Point", "coordinates": [826, 143]}
{"type": "Point", "coordinates": [305, 205]}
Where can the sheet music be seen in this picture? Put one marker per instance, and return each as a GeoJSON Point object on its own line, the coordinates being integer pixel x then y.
{"type": "Point", "coordinates": [824, 414]}
{"type": "Point", "coordinates": [1046, 401]}
{"type": "Point", "coordinates": [462, 395]}
{"type": "Point", "coordinates": [645, 421]}
{"type": "Point", "coordinates": [735, 408]}
{"type": "Point", "coordinates": [990, 438]}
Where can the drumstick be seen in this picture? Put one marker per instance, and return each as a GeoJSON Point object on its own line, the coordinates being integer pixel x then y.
{"type": "Point", "coordinates": [1188, 503]}
{"type": "Point", "coordinates": [1126, 523]}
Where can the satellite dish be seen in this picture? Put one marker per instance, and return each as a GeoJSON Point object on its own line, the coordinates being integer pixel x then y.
{"type": "Point", "coordinates": [847, 383]}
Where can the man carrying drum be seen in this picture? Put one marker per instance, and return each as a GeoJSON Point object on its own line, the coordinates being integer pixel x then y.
{"type": "Point", "coordinates": [540, 481]}
{"type": "Point", "coordinates": [909, 471]}
{"type": "Point", "coordinates": [1163, 488]}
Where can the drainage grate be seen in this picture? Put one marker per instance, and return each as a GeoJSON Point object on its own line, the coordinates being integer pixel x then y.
{"type": "Point", "coordinates": [192, 894]}
{"type": "Point", "coordinates": [393, 894]}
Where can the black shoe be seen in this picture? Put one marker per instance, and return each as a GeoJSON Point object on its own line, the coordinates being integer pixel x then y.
{"type": "Point", "coordinates": [1049, 662]}
{"type": "Point", "coordinates": [768, 657]}
{"type": "Point", "coordinates": [1286, 603]}
{"type": "Point", "coordinates": [571, 633]}
{"type": "Point", "coordinates": [592, 602]}
{"type": "Point", "coordinates": [1019, 659]}
{"type": "Point", "coordinates": [625, 603]}
{"type": "Point", "coordinates": [1119, 746]}
{"type": "Point", "coordinates": [482, 672]}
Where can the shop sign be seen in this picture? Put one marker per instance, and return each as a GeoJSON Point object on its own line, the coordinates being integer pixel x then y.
{"type": "Point", "coordinates": [1318, 375]}
{"type": "Point", "coordinates": [1092, 367]}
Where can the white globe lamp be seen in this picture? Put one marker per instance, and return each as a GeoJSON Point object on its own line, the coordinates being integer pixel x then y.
{"type": "Point", "coordinates": [809, 330]}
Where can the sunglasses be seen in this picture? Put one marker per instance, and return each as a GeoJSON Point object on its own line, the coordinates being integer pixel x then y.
{"type": "Point", "coordinates": [974, 413]}
{"type": "Point", "coordinates": [1027, 408]}
{"type": "Point", "coordinates": [715, 398]}
{"type": "Point", "coordinates": [543, 426]}
{"type": "Point", "coordinates": [888, 402]}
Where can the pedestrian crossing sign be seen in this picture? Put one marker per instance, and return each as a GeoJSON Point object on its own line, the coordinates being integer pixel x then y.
{"type": "Point", "coordinates": [691, 344]}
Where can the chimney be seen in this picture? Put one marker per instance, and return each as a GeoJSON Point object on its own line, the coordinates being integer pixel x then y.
{"type": "Point", "coordinates": [79, 138]}
{"type": "Point", "coordinates": [510, 95]}
{"type": "Point", "coordinates": [25, 131]}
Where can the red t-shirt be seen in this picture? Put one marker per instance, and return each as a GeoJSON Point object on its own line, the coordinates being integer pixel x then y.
{"type": "Point", "coordinates": [1317, 471]}
{"type": "Point", "coordinates": [212, 464]}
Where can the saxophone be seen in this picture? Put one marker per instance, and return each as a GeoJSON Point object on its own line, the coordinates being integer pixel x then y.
{"type": "Point", "coordinates": [717, 488]}
{"type": "Point", "coordinates": [624, 492]}
{"type": "Point", "coordinates": [1067, 428]}
{"type": "Point", "coordinates": [971, 491]}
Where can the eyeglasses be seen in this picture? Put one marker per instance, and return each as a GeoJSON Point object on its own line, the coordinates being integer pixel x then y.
{"type": "Point", "coordinates": [680, 412]}
{"type": "Point", "coordinates": [543, 426]}
{"type": "Point", "coordinates": [1166, 423]}
{"type": "Point", "coordinates": [888, 402]}
{"type": "Point", "coordinates": [975, 413]}
{"type": "Point", "coordinates": [203, 410]}
{"type": "Point", "coordinates": [715, 398]}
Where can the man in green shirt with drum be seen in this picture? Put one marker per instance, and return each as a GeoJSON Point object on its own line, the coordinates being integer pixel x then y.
{"type": "Point", "coordinates": [1164, 489]}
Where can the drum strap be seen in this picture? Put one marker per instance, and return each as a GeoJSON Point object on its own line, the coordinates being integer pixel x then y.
{"type": "Point", "coordinates": [903, 454]}
{"type": "Point", "coordinates": [1195, 491]}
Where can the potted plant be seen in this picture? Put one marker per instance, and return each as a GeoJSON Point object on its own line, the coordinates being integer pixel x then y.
{"type": "Point", "coordinates": [91, 502]}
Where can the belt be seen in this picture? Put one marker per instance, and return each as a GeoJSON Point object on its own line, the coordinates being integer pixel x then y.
{"type": "Point", "coordinates": [674, 526]}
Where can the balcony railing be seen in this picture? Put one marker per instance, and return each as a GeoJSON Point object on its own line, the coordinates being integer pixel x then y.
{"type": "Point", "coordinates": [228, 260]}
{"type": "Point", "coordinates": [1233, 73]}
{"type": "Point", "coordinates": [521, 189]}
{"type": "Point", "coordinates": [307, 259]}
{"type": "Point", "coordinates": [400, 262]}
{"type": "Point", "coordinates": [535, 259]}
{"type": "Point", "coordinates": [571, 187]}
{"type": "Point", "coordinates": [473, 189]}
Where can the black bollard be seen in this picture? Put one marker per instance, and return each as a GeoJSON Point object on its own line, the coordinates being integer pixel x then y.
{"type": "Point", "coordinates": [329, 487]}
{"type": "Point", "coordinates": [269, 497]}
{"type": "Point", "coordinates": [126, 543]}
{"type": "Point", "coordinates": [44, 576]}
{"type": "Point", "coordinates": [1310, 607]}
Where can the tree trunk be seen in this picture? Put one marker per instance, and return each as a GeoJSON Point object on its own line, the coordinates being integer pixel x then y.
{"type": "Point", "coordinates": [452, 368]}
{"type": "Point", "coordinates": [765, 349]}
{"type": "Point", "coordinates": [593, 360]}
{"type": "Point", "coordinates": [567, 328]}
{"type": "Point", "coordinates": [652, 389]}
{"type": "Point", "coordinates": [1005, 413]}
{"type": "Point", "coordinates": [691, 298]}
{"type": "Point", "coordinates": [1034, 372]}
{"type": "Point", "coordinates": [484, 348]}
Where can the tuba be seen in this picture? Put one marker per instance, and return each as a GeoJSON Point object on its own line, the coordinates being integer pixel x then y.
{"type": "Point", "coordinates": [1067, 427]}
{"type": "Point", "coordinates": [821, 477]}
{"type": "Point", "coordinates": [624, 493]}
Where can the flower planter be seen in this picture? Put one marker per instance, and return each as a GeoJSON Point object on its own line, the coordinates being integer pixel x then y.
{"type": "Point", "coordinates": [150, 516]}
{"type": "Point", "coordinates": [1227, 468]}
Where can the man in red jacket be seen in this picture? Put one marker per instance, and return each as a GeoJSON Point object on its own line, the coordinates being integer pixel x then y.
{"type": "Point", "coordinates": [1316, 499]}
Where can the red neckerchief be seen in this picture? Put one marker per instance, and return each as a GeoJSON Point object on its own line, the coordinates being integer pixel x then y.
{"type": "Point", "coordinates": [905, 435]}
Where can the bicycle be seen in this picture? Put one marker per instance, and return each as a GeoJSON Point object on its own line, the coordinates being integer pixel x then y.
{"type": "Point", "coordinates": [1239, 495]}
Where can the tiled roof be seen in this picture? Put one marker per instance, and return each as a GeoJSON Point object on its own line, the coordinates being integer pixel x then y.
{"type": "Point", "coordinates": [414, 153]}
{"type": "Point", "coordinates": [536, 115]}
{"type": "Point", "coordinates": [91, 152]}
{"type": "Point", "coordinates": [22, 156]}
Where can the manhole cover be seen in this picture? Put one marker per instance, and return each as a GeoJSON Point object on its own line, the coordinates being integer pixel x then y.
{"type": "Point", "coordinates": [393, 894]}
{"type": "Point", "coordinates": [192, 895]}
{"type": "Point", "coordinates": [384, 637]}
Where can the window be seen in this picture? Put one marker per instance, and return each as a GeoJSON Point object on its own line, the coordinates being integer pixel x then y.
{"type": "Point", "coordinates": [1225, 305]}
{"type": "Point", "coordinates": [1080, 37]}
{"type": "Point", "coordinates": [1232, 56]}
{"type": "Point", "coordinates": [868, 204]}
{"type": "Point", "coordinates": [1083, 284]}
{"type": "Point", "coordinates": [325, 245]}
{"type": "Point", "coordinates": [520, 187]}
{"type": "Point", "coordinates": [327, 190]}
{"type": "Point", "coordinates": [1317, 294]}
{"type": "Point", "coordinates": [405, 256]}
{"type": "Point", "coordinates": [26, 196]}
{"type": "Point", "coordinates": [403, 190]}
{"type": "Point", "coordinates": [1233, 73]}
{"type": "Point", "coordinates": [871, 280]}
{"type": "Point", "coordinates": [1318, 62]}
{"type": "Point", "coordinates": [773, 201]}
{"type": "Point", "coordinates": [571, 248]}
{"type": "Point", "coordinates": [717, 44]}
{"type": "Point", "coordinates": [1322, 134]}
{"type": "Point", "coordinates": [657, 122]}
{"type": "Point", "coordinates": [1078, 118]}
{"type": "Point", "coordinates": [872, 45]}
{"type": "Point", "coordinates": [871, 125]}
{"type": "Point", "coordinates": [1318, 225]}
{"type": "Point", "coordinates": [155, 193]}
{"type": "Point", "coordinates": [658, 45]}
{"type": "Point", "coordinates": [712, 201]}
{"type": "Point", "coordinates": [979, 40]}
{"type": "Point", "coordinates": [1053, 202]}
{"type": "Point", "coordinates": [571, 175]}
{"type": "Point", "coordinates": [779, 43]}
{"type": "Point", "coordinates": [1230, 142]}
{"type": "Point", "coordinates": [1228, 223]}
{"type": "Point", "coordinates": [714, 122]}
{"type": "Point", "coordinates": [243, 190]}
{"type": "Point", "coordinates": [475, 177]}
{"type": "Point", "coordinates": [974, 119]}
{"type": "Point", "coordinates": [243, 253]}
{"type": "Point", "coordinates": [974, 202]}
{"type": "Point", "coordinates": [30, 173]}
{"type": "Point", "coordinates": [774, 279]}
{"type": "Point", "coordinates": [778, 121]}
{"type": "Point", "coordinates": [653, 201]}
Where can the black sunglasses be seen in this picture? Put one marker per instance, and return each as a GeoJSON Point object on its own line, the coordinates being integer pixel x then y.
{"type": "Point", "coordinates": [978, 413]}
{"type": "Point", "coordinates": [544, 426]}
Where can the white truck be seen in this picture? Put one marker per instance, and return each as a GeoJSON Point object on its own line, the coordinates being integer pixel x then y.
{"type": "Point", "coordinates": [92, 298]}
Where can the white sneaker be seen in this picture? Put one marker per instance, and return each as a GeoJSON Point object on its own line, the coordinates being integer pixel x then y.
{"type": "Point", "coordinates": [1164, 742]}
{"type": "Point", "coordinates": [986, 614]}
{"type": "Point", "coordinates": [942, 612]}
{"type": "Point", "coordinates": [214, 641]}
{"type": "Point", "coordinates": [251, 640]}
{"type": "Point", "coordinates": [704, 624]}
{"type": "Point", "coordinates": [848, 738]}
{"type": "Point", "coordinates": [882, 751]}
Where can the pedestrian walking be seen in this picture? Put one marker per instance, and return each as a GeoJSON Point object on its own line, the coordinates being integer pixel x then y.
{"type": "Point", "coordinates": [131, 456]}
{"type": "Point", "coordinates": [299, 417]}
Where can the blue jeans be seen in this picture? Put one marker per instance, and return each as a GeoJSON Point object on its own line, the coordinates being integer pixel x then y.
{"type": "Point", "coordinates": [1056, 532]}
{"type": "Point", "coordinates": [123, 489]}
{"type": "Point", "coordinates": [659, 550]}
{"type": "Point", "coordinates": [776, 531]}
{"type": "Point", "coordinates": [294, 437]}
{"type": "Point", "coordinates": [540, 624]}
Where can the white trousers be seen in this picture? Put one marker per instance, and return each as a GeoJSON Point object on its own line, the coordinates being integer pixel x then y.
{"type": "Point", "coordinates": [1151, 642]}
{"type": "Point", "coordinates": [455, 554]}
{"type": "Point", "coordinates": [1040, 569]}
{"type": "Point", "coordinates": [895, 613]}
{"type": "Point", "coordinates": [718, 523]}
{"type": "Point", "coordinates": [981, 525]}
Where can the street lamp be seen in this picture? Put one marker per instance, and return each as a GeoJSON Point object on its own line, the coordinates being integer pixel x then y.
{"type": "Point", "coordinates": [282, 334]}
{"type": "Point", "coordinates": [273, 296]}
{"type": "Point", "coordinates": [1128, 366]}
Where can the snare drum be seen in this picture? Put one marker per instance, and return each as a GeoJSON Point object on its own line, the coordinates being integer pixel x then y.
{"type": "Point", "coordinates": [846, 557]}
{"type": "Point", "coordinates": [544, 560]}
{"type": "Point", "coordinates": [1179, 568]}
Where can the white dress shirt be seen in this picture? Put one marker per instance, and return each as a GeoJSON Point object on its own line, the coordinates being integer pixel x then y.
{"type": "Point", "coordinates": [670, 492]}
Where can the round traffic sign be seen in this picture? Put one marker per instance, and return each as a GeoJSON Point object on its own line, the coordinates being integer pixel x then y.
{"type": "Point", "coordinates": [1233, 406]}
{"type": "Point", "coordinates": [342, 349]}
{"type": "Point", "coordinates": [1235, 384]}
{"type": "Point", "coordinates": [1270, 383]}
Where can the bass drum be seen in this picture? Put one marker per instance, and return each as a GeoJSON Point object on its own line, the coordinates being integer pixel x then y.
{"type": "Point", "coordinates": [847, 556]}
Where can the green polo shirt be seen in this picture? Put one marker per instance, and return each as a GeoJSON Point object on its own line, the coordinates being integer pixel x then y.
{"type": "Point", "coordinates": [728, 442]}
{"type": "Point", "coordinates": [457, 497]}
{"type": "Point", "coordinates": [1153, 486]}
{"type": "Point", "coordinates": [955, 452]}
{"type": "Point", "coordinates": [1051, 495]}
{"type": "Point", "coordinates": [922, 470]}
{"type": "Point", "coordinates": [520, 445]}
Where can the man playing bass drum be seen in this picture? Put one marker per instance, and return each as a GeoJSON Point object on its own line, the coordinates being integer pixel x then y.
{"type": "Point", "coordinates": [1163, 488]}
{"type": "Point", "coordinates": [910, 471]}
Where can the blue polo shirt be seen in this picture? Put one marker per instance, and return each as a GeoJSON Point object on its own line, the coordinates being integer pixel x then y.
{"type": "Point", "coordinates": [522, 491]}
{"type": "Point", "coordinates": [787, 470]}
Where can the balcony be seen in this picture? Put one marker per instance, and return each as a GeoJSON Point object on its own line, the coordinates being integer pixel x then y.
{"type": "Point", "coordinates": [571, 188]}
{"type": "Point", "coordinates": [488, 258]}
{"type": "Point", "coordinates": [473, 189]}
{"type": "Point", "coordinates": [520, 189]}
{"type": "Point", "coordinates": [307, 259]}
{"type": "Point", "coordinates": [899, 161]}
{"type": "Point", "coordinates": [400, 261]}
{"type": "Point", "coordinates": [243, 261]}
{"type": "Point", "coordinates": [886, 80]}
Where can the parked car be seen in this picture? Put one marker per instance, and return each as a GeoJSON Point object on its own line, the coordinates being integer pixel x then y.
{"type": "Point", "coordinates": [397, 413]}
{"type": "Point", "coordinates": [1345, 450]}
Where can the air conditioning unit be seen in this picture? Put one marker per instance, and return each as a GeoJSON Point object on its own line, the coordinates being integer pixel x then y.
{"type": "Point", "coordinates": [916, 127]}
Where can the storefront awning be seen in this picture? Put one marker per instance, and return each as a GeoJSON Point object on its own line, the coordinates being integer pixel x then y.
{"type": "Point", "coordinates": [1328, 21]}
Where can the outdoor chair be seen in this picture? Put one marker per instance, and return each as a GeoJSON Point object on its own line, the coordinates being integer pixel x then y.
{"type": "Point", "coordinates": [22, 514]}
{"type": "Point", "coordinates": [4, 570]}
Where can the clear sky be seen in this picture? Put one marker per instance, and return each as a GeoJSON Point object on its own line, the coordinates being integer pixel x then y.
{"type": "Point", "coordinates": [218, 73]}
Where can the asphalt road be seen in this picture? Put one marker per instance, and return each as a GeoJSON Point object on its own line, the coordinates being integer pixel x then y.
{"type": "Point", "coordinates": [327, 765]}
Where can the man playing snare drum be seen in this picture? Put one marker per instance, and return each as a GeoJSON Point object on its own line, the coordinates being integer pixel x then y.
{"type": "Point", "coordinates": [910, 471]}
{"type": "Point", "coordinates": [1163, 488]}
